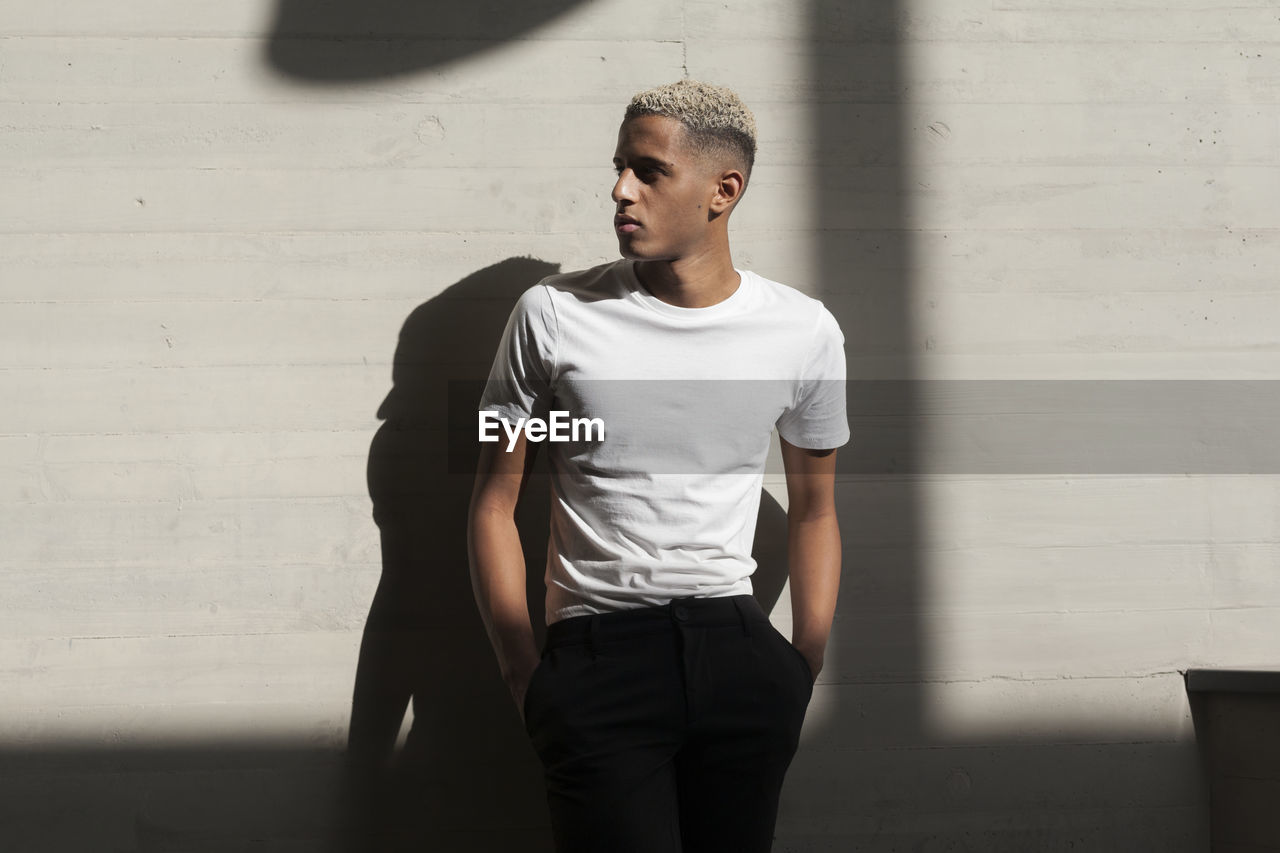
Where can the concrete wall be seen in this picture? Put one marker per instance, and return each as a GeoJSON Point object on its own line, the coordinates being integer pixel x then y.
{"type": "Point", "coordinates": [246, 248]}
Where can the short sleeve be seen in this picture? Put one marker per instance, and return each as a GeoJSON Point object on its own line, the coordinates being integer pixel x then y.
{"type": "Point", "coordinates": [817, 419]}
{"type": "Point", "coordinates": [520, 381]}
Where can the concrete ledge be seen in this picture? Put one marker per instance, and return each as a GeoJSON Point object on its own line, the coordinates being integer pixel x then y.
{"type": "Point", "coordinates": [1233, 681]}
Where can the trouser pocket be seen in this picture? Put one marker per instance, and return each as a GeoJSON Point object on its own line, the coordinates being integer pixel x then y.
{"type": "Point", "coordinates": [799, 662]}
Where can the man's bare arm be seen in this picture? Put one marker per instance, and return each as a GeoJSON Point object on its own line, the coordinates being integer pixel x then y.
{"type": "Point", "coordinates": [497, 561]}
{"type": "Point", "coordinates": [813, 550]}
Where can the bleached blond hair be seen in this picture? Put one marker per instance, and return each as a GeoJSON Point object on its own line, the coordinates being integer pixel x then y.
{"type": "Point", "coordinates": [715, 118]}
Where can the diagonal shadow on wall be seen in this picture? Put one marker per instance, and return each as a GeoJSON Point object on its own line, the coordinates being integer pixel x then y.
{"type": "Point", "coordinates": [881, 778]}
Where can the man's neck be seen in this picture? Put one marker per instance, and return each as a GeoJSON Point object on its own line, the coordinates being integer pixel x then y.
{"type": "Point", "coordinates": [694, 282]}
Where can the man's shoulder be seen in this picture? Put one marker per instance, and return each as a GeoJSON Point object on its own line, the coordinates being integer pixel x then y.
{"type": "Point", "coordinates": [786, 302]}
{"type": "Point", "coordinates": [603, 281]}
{"type": "Point", "coordinates": [545, 298]}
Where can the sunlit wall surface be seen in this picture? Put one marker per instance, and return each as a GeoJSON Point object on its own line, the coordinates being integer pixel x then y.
{"type": "Point", "coordinates": [247, 247]}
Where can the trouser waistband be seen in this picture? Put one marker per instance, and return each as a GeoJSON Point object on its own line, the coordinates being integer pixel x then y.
{"type": "Point", "coordinates": [742, 610]}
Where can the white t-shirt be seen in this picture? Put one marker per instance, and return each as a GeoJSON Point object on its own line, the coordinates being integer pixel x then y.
{"type": "Point", "coordinates": [665, 505]}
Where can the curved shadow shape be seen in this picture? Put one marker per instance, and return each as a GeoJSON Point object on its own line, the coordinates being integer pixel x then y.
{"type": "Point", "coordinates": [339, 40]}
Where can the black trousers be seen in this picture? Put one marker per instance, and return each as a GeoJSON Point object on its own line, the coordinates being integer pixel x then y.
{"type": "Point", "coordinates": [667, 729]}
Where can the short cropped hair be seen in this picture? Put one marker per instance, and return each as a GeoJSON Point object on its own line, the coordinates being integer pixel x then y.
{"type": "Point", "coordinates": [714, 117]}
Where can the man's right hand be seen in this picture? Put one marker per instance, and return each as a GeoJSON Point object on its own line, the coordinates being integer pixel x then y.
{"type": "Point", "coordinates": [518, 684]}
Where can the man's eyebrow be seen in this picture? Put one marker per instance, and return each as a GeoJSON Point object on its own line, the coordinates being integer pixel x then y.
{"type": "Point", "coordinates": [646, 161]}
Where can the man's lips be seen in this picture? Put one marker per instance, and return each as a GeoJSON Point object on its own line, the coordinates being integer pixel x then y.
{"type": "Point", "coordinates": [625, 224]}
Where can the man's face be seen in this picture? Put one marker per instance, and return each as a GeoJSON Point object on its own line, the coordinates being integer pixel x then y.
{"type": "Point", "coordinates": [662, 192]}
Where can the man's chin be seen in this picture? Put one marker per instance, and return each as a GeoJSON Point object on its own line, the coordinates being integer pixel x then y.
{"type": "Point", "coordinates": [629, 250]}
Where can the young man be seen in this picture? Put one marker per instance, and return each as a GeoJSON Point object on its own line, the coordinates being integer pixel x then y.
{"type": "Point", "coordinates": [664, 707]}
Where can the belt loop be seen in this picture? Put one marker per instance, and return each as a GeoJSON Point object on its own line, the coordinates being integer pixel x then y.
{"type": "Point", "coordinates": [593, 630]}
{"type": "Point", "coordinates": [741, 606]}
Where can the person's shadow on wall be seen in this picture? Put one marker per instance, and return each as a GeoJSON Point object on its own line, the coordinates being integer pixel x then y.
{"type": "Point", "coordinates": [465, 777]}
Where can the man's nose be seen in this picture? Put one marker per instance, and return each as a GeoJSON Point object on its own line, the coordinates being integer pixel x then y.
{"type": "Point", "coordinates": [622, 188]}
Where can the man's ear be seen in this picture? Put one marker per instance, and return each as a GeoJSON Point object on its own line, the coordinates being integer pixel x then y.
{"type": "Point", "coordinates": [729, 188]}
